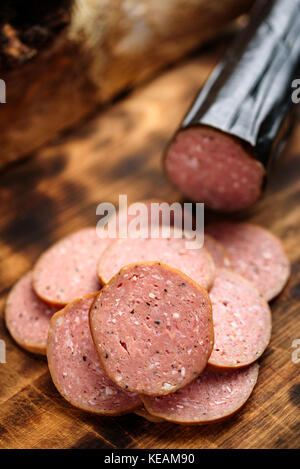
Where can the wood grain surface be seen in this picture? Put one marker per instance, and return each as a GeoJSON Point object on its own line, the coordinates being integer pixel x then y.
{"type": "Point", "coordinates": [56, 192]}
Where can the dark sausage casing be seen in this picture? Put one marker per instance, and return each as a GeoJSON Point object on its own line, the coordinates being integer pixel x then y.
{"type": "Point", "coordinates": [241, 118]}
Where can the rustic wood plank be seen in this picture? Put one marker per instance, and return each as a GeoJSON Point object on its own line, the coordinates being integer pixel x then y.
{"type": "Point", "coordinates": [56, 191]}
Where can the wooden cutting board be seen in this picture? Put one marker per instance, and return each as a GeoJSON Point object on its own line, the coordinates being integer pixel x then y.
{"type": "Point", "coordinates": [52, 193]}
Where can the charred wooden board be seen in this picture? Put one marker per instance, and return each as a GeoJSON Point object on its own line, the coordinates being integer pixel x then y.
{"type": "Point", "coordinates": [56, 191]}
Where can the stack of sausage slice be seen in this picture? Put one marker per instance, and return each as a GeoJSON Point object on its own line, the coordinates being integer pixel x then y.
{"type": "Point", "coordinates": [149, 325]}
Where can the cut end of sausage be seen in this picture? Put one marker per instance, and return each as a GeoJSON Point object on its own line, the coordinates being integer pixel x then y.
{"type": "Point", "coordinates": [75, 367]}
{"type": "Point", "coordinates": [256, 254]}
{"type": "Point", "coordinates": [242, 321]}
{"type": "Point", "coordinates": [152, 327]}
{"type": "Point", "coordinates": [196, 263]}
{"type": "Point", "coordinates": [211, 167]}
{"type": "Point", "coordinates": [27, 317]}
{"type": "Point", "coordinates": [210, 398]}
{"type": "Point", "coordinates": [68, 269]}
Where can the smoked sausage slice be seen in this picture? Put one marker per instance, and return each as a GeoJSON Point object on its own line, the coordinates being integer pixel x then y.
{"type": "Point", "coordinates": [256, 254]}
{"type": "Point", "coordinates": [242, 321]}
{"type": "Point", "coordinates": [196, 263]}
{"type": "Point", "coordinates": [68, 269]}
{"type": "Point", "coordinates": [74, 364]}
{"type": "Point", "coordinates": [211, 397]}
{"type": "Point", "coordinates": [152, 327]}
{"type": "Point", "coordinates": [27, 317]}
